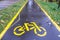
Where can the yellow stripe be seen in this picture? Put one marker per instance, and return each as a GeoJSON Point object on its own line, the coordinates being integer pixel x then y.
{"type": "Point", "coordinates": [55, 24]}
{"type": "Point", "coordinates": [10, 23]}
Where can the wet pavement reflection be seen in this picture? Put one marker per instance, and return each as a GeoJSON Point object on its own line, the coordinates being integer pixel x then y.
{"type": "Point", "coordinates": [32, 13]}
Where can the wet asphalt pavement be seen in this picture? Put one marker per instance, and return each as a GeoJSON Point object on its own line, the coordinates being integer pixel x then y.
{"type": "Point", "coordinates": [6, 3]}
{"type": "Point", "coordinates": [32, 13]}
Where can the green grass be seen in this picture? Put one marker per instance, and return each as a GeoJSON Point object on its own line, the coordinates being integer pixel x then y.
{"type": "Point", "coordinates": [7, 14]}
{"type": "Point", "coordinates": [52, 9]}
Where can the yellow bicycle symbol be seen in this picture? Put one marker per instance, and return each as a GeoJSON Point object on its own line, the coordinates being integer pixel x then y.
{"type": "Point", "coordinates": [20, 30]}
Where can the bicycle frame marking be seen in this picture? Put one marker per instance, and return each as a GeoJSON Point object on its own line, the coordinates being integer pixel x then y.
{"type": "Point", "coordinates": [32, 26]}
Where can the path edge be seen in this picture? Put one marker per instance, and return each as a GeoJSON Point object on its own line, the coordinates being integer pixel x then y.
{"type": "Point", "coordinates": [10, 23]}
{"type": "Point", "coordinates": [46, 13]}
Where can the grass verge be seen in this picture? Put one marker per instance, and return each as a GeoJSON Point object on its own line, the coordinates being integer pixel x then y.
{"type": "Point", "coordinates": [8, 13]}
{"type": "Point", "coordinates": [52, 10]}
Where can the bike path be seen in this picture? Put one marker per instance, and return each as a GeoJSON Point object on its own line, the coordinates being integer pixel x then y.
{"type": "Point", "coordinates": [32, 13]}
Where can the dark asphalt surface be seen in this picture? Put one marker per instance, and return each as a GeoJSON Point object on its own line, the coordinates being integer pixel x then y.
{"type": "Point", "coordinates": [32, 13]}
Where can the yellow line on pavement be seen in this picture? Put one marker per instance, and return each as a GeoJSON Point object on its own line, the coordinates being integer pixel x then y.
{"type": "Point", "coordinates": [10, 23]}
{"type": "Point", "coordinates": [46, 13]}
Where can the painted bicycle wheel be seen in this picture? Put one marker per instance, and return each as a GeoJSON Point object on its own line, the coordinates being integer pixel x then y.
{"type": "Point", "coordinates": [18, 31]}
{"type": "Point", "coordinates": [41, 33]}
